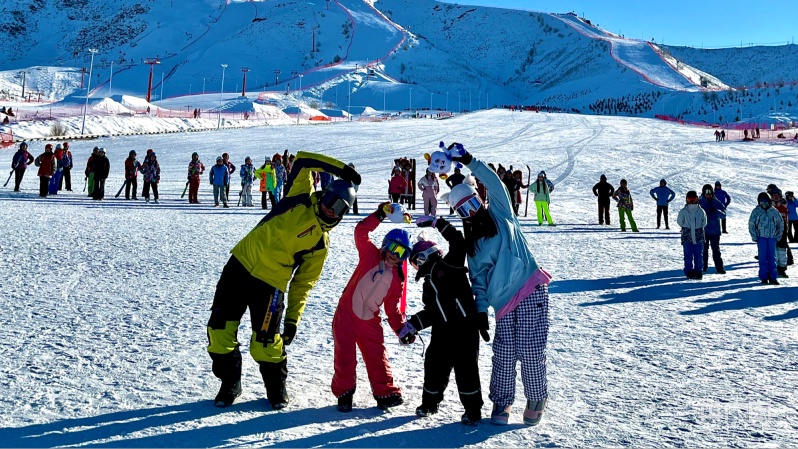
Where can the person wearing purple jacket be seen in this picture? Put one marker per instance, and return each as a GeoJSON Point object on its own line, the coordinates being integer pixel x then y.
{"type": "Point", "coordinates": [19, 163]}
{"type": "Point", "coordinates": [724, 198]}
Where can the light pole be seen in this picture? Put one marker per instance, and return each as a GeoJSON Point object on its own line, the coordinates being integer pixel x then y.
{"type": "Point", "coordinates": [111, 81]}
{"type": "Point", "coordinates": [203, 86]}
{"type": "Point", "coordinates": [430, 104]}
{"type": "Point", "coordinates": [383, 101]}
{"type": "Point", "coordinates": [410, 108]}
{"type": "Point", "coordinates": [219, 123]}
{"type": "Point", "coordinates": [300, 84]}
{"type": "Point", "coordinates": [93, 52]}
{"type": "Point", "coordinates": [447, 101]}
{"type": "Point", "coordinates": [23, 73]}
{"type": "Point", "coordinates": [276, 76]}
{"type": "Point", "coordinates": [160, 97]}
{"type": "Point", "coordinates": [244, 84]}
{"type": "Point", "coordinates": [459, 105]}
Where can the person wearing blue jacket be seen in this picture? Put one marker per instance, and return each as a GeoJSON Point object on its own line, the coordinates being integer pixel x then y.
{"type": "Point", "coordinates": [715, 211]}
{"type": "Point", "coordinates": [766, 227]}
{"type": "Point", "coordinates": [505, 276]}
{"type": "Point", "coordinates": [662, 195]}
{"type": "Point", "coordinates": [792, 215]}
{"type": "Point", "coordinates": [220, 178]}
{"type": "Point", "coordinates": [724, 198]}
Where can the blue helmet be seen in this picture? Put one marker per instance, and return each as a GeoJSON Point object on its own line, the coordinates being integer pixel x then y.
{"type": "Point", "coordinates": [400, 237]}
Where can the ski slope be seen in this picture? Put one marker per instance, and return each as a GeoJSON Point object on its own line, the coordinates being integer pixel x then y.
{"type": "Point", "coordinates": [105, 303]}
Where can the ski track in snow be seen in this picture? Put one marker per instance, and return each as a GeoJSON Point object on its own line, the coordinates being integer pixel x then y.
{"type": "Point", "coordinates": [105, 303]}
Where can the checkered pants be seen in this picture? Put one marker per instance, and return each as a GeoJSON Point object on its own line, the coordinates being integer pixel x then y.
{"type": "Point", "coordinates": [521, 335]}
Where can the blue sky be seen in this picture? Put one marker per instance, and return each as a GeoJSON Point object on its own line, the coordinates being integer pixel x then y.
{"type": "Point", "coordinates": [708, 23]}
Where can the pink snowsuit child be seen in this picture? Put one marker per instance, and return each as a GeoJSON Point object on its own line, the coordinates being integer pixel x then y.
{"type": "Point", "coordinates": [429, 191]}
{"type": "Point", "coordinates": [357, 321]}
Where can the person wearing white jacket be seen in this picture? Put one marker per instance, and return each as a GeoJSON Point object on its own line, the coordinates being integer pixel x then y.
{"type": "Point", "coordinates": [766, 227]}
{"type": "Point", "coordinates": [693, 220]}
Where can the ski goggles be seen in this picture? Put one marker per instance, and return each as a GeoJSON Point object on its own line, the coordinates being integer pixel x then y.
{"type": "Point", "coordinates": [469, 207]}
{"type": "Point", "coordinates": [420, 258]}
{"type": "Point", "coordinates": [765, 204]}
{"type": "Point", "coordinates": [334, 204]}
{"type": "Point", "coordinates": [398, 250]}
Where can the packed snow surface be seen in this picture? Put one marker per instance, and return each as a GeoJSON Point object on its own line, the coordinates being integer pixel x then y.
{"type": "Point", "coordinates": [105, 303]}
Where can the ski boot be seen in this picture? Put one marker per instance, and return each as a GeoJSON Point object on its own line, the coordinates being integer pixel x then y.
{"type": "Point", "coordinates": [390, 401]}
{"type": "Point", "coordinates": [426, 409]}
{"type": "Point", "coordinates": [229, 391]}
{"type": "Point", "coordinates": [345, 401]}
{"type": "Point", "coordinates": [471, 418]}
{"type": "Point", "coordinates": [534, 412]}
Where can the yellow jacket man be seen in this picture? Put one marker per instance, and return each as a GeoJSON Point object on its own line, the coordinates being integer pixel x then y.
{"type": "Point", "coordinates": [281, 257]}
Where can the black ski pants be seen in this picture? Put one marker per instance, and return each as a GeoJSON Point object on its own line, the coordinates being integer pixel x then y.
{"type": "Point", "coordinates": [453, 346]}
{"type": "Point", "coordinates": [714, 242]}
{"type": "Point", "coordinates": [131, 184]}
{"type": "Point", "coordinates": [99, 189]}
{"type": "Point", "coordinates": [146, 190]}
{"type": "Point", "coordinates": [66, 177]}
{"type": "Point", "coordinates": [662, 210]}
{"type": "Point", "coordinates": [604, 211]}
{"type": "Point", "coordinates": [234, 294]}
{"type": "Point", "coordinates": [18, 174]}
{"type": "Point", "coordinates": [44, 186]}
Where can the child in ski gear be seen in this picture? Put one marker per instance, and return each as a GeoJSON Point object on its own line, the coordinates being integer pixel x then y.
{"type": "Point", "coordinates": [693, 220]}
{"type": "Point", "coordinates": [724, 198]}
{"type": "Point", "coordinates": [247, 176]}
{"type": "Point", "coordinates": [782, 246]}
{"type": "Point", "coordinates": [230, 170]}
{"type": "Point", "coordinates": [429, 192]}
{"type": "Point", "coordinates": [663, 195]}
{"type": "Point", "coordinates": [19, 163]}
{"type": "Point", "coordinates": [505, 276]}
{"type": "Point", "coordinates": [279, 177]}
{"type": "Point", "coordinates": [267, 183]}
{"type": "Point", "coordinates": [518, 177]}
{"type": "Point", "coordinates": [219, 178]}
{"type": "Point", "coordinates": [542, 189]}
{"type": "Point", "coordinates": [131, 174]}
{"type": "Point", "coordinates": [715, 212]}
{"type": "Point", "coordinates": [766, 227]}
{"type": "Point", "coordinates": [101, 167]}
{"type": "Point", "coordinates": [604, 191]}
{"type": "Point", "coordinates": [378, 280]}
{"type": "Point", "coordinates": [450, 310]}
{"type": "Point", "coordinates": [625, 206]}
{"type": "Point", "coordinates": [284, 252]}
{"type": "Point", "coordinates": [792, 217]}
{"type": "Point", "coordinates": [151, 175]}
{"type": "Point", "coordinates": [89, 171]}
{"type": "Point", "coordinates": [47, 165]}
{"type": "Point", "coordinates": [397, 185]}
{"type": "Point", "coordinates": [195, 170]}
{"type": "Point", "coordinates": [64, 158]}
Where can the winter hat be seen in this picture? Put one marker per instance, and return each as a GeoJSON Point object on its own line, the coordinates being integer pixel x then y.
{"type": "Point", "coordinates": [194, 154]}
{"type": "Point", "coordinates": [23, 145]}
{"type": "Point", "coordinates": [247, 159]}
{"type": "Point", "coordinates": [66, 145]}
{"type": "Point", "coordinates": [59, 147]}
{"type": "Point", "coordinates": [707, 189]}
{"type": "Point", "coordinates": [542, 173]}
{"type": "Point", "coordinates": [150, 151]}
{"type": "Point", "coordinates": [692, 197]}
{"type": "Point", "coordinates": [49, 146]}
{"type": "Point", "coordinates": [775, 191]}
{"type": "Point", "coordinates": [763, 198]}
{"type": "Point", "coordinates": [771, 187]}
{"type": "Point", "coordinates": [717, 183]}
{"type": "Point", "coordinates": [277, 156]}
{"type": "Point", "coordinates": [623, 181]}
{"type": "Point", "coordinates": [225, 156]}
{"type": "Point", "coordinates": [132, 153]}
{"type": "Point", "coordinates": [663, 182]}
{"type": "Point", "coordinates": [101, 150]}
{"type": "Point", "coordinates": [603, 178]}
{"type": "Point", "coordinates": [219, 159]}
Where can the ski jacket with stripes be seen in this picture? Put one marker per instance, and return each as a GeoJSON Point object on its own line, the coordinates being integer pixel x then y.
{"type": "Point", "coordinates": [287, 248]}
{"type": "Point", "coordinates": [447, 294]}
{"type": "Point", "coordinates": [766, 223]}
{"type": "Point", "coordinates": [692, 219]}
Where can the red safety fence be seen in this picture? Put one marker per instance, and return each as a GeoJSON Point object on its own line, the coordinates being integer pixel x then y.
{"type": "Point", "coordinates": [7, 137]}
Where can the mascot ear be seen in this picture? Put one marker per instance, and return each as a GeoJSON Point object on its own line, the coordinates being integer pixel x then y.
{"type": "Point", "coordinates": [441, 145]}
{"type": "Point", "coordinates": [427, 156]}
{"type": "Point", "coordinates": [443, 176]}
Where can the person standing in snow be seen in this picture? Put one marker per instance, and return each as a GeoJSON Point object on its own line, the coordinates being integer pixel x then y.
{"type": "Point", "coordinates": [715, 212]}
{"type": "Point", "coordinates": [47, 166]}
{"type": "Point", "coordinates": [19, 163]}
{"type": "Point", "coordinates": [64, 158]}
{"type": "Point", "coordinates": [267, 183]}
{"type": "Point", "coordinates": [456, 179]}
{"type": "Point", "coordinates": [219, 177]}
{"type": "Point", "coordinates": [247, 176]}
{"type": "Point", "coordinates": [230, 170]}
{"type": "Point", "coordinates": [782, 247]}
{"type": "Point", "coordinates": [279, 177]}
{"type": "Point", "coordinates": [604, 191]}
{"type": "Point", "coordinates": [766, 227]}
{"type": "Point", "coordinates": [692, 220]}
{"type": "Point", "coordinates": [89, 171]}
{"type": "Point", "coordinates": [792, 217]}
{"type": "Point", "coordinates": [625, 206]}
{"type": "Point", "coordinates": [450, 310]}
{"type": "Point", "coordinates": [378, 280]}
{"type": "Point", "coordinates": [285, 252]}
{"type": "Point", "coordinates": [542, 189]}
{"type": "Point", "coordinates": [518, 176]}
{"type": "Point", "coordinates": [101, 167]}
{"type": "Point", "coordinates": [151, 175]}
{"type": "Point", "coordinates": [504, 275]}
{"type": "Point", "coordinates": [429, 187]}
{"type": "Point", "coordinates": [724, 198]}
{"type": "Point", "coordinates": [663, 195]}
{"type": "Point", "coordinates": [195, 170]}
{"type": "Point", "coordinates": [397, 185]}
{"type": "Point", "coordinates": [131, 174]}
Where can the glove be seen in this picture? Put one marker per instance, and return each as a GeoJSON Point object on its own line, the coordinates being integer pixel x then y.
{"type": "Point", "coordinates": [465, 158]}
{"type": "Point", "coordinates": [407, 334]}
{"type": "Point", "coordinates": [426, 221]}
{"type": "Point", "coordinates": [381, 211]}
{"type": "Point", "coordinates": [289, 332]}
{"type": "Point", "coordinates": [483, 325]}
{"type": "Point", "coordinates": [349, 174]}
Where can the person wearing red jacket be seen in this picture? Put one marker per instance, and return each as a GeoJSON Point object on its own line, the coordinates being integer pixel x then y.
{"type": "Point", "coordinates": [132, 167]}
{"type": "Point", "coordinates": [397, 185]}
{"type": "Point", "coordinates": [379, 278]}
{"type": "Point", "coordinates": [47, 165]}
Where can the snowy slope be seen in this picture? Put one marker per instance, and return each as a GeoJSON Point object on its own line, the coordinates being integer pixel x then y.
{"type": "Point", "coordinates": [105, 304]}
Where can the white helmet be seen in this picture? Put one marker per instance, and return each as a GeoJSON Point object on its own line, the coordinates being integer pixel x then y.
{"type": "Point", "coordinates": [461, 192]}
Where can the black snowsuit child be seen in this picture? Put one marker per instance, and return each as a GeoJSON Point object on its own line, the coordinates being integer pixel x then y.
{"type": "Point", "coordinates": [450, 310]}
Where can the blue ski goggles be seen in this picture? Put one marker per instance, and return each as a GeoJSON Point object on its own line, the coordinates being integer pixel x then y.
{"type": "Point", "coordinates": [469, 207]}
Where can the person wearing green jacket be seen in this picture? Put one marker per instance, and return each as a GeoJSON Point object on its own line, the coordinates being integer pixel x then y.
{"type": "Point", "coordinates": [267, 183]}
{"type": "Point", "coordinates": [542, 188]}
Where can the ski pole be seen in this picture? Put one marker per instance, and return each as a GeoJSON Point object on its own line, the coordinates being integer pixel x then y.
{"type": "Point", "coordinates": [120, 189]}
{"type": "Point", "coordinates": [9, 177]}
{"type": "Point", "coordinates": [184, 190]}
{"type": "Point", "coordinates": [528, 185]}
{"type": "Point", "coordinates": [240, 194]}
{"type": "Point", "coordinates": [85, 183]}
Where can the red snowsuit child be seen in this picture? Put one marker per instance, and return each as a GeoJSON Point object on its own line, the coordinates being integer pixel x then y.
{"type": "Point", "coordinates": [357, 321]}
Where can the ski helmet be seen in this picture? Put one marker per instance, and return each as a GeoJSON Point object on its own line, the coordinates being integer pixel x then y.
{"type": "Point", "coordinates": [59, 147]}
{"type": "Point", "coordinates": [707, 190]}
{"type": "Point", "coordinates": [49, 146]}
{"type": "Point", "coordinates": [464, 200]}
{"type": "Point", "coordinates": [764, 200]}
{"type": "Point", "coordinates": [337, 198]}
{"type": "Point", "coordinates": [423, 251]}
{"type": "Point", "coordinates": [101, 150]}
{"type": "Point", "coordinates": [132, 153]}
{"type": "Point", "coordinates": [692, 197]}
{"type": "Point", "coordinates": [247, 159]}
{"type": "Point", "coordinates": [397, 242]}
{"type": "Point", "coordinates": [219, 159]}
{"type": "Point", "coordinates": [66, 145]}
{"type": "Point", "coordinates": [771, 187]}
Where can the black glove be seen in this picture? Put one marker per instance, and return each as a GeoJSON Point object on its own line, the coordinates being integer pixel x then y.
{"type": "Point", "coordinates": [289, 332]}
{"type": "Point", "coordinates": [407, 334]}
{"type": "Point", "coordinates": [464, 158]}
{"type": "Point", "coordinates": [408, 339]}
{"type": "Point", "coordinates": [483, 325]}
{"type": "Point", "coordinates": [425, 221]}
{"type": "Point", "coordinates": [349, 174]}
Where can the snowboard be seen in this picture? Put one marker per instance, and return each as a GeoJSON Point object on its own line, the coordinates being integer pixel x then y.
{"type": "Point", "coordinates": [54, 181]}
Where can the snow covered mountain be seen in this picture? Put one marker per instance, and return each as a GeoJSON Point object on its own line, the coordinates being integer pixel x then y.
{"type": "Point", "coordinates": [386, 54]}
